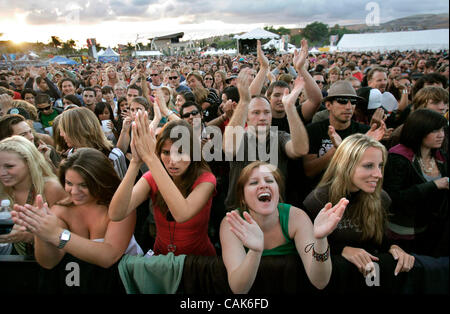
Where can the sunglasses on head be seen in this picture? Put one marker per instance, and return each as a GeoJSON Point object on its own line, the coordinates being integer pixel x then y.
{"type": "Point", "coordinates": [345, 100]}
{"type": "Point", "coordinates": [173, 77]}
{"type": "Point", "coordinates": [188, 114]}
{"type": "Point", "coordinates": [45, 108]}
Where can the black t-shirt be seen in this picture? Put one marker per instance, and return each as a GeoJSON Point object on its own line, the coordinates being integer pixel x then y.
{"type": "Point", "coordinates": [347, 232]}
{"type": "Point", "coordinates": [283, 124]}
{"type": "Point", "coordinates": [319, 141]}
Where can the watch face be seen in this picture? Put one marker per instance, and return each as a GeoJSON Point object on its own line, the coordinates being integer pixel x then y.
{"type": "Point", "coordinates": [65, 236]}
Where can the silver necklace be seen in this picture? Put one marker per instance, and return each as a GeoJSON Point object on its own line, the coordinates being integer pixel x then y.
{"type": "Point", "coordinates": [427, 169]}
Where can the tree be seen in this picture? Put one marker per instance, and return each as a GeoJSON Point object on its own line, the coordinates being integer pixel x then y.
{"type": "Point", "coordinates": [56, 41]}
{"type": "Point", "coordinates": [280, 31]}
{"type": "Point", "coordinates": [316, 33]}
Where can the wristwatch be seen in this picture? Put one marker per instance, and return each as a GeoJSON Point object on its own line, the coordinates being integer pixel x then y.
{"type": "Point", "coordinates": [64, 238]}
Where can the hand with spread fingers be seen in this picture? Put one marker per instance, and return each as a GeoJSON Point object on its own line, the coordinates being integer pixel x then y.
{"type": "Point", "coordinates": [328, 218]}
{"type": "Point", "coordinates": [405, 262]}
{"type": "Point", "coordinates": [247, 231]}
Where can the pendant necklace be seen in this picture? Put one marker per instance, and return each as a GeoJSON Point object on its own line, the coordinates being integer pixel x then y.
{"type": "Point", "coordinates": [172, 247]}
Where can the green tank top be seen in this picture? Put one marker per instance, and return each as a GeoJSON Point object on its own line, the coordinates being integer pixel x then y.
{"type": "Point", "coordinates": [287, 248]}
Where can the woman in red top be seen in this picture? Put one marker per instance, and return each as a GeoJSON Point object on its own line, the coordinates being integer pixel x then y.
{"type": "Point", "coordinates": [180, 187]}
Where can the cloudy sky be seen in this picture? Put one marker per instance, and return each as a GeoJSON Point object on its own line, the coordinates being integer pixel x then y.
{"type": "Point", "coordinates": [121, 21]}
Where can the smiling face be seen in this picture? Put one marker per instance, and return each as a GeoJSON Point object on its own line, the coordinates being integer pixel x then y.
{"type": "Point", "coordinates": [261, 192]}
{"type": "Point", "coordinates": [176, 163]}
{"type": "Point", "coordinates": [368, 171]}
{"type": "Point", "coordinates": [13, 169]}
{"type": "Point", "coordinates": [77, 188]}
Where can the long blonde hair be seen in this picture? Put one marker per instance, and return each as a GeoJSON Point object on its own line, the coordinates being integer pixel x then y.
{"type": "Point", "coordinates": [83, 128]}
{"type": "Point", "coordinates": [39, 169]}
{"type": "Point", "coordinates": [366, 208]}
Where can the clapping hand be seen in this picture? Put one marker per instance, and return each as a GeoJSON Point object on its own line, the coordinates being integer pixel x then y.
{"type": "Point", "coordinates": [262, 59]}
{"type": "Point", "coordinates": [328, 218]}
{"type": "Point", "coordinates": [243, 83]}
{"type": "Point", "coordinates": [334, 136]}
{"type": "Point", "coordinates": [247, 231]}
{"type": "Point", "coordinates": [300, 57]}
{"type": "Point", "coordinates": [143, 136]}
{"type": "Point", "coordinates": [38, 220]}
{"type": "Point", "coordinates": [289, 99]}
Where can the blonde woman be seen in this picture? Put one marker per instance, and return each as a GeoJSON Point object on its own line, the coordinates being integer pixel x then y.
{"type": "Point", "coordinates": [24, 173]}
{"type": "Point", "coordinates": [220, 83]}
{"type": "Point", "coordinates": [356, 172]}
{"type": "Point", "coordinates": [263, 225]}
{"type": "Point", "coordinates": [80, 127]}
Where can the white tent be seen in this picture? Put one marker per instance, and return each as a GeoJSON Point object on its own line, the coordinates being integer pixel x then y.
{"type": "Point", "coordinates": [249, 39]}
{"type": "Point", "coordinates": [277, 44]}
{"type": "Point", "coordinates": [147, 53]}
{"type": "Point", "coordinates": [257, 33]}
{"type": "Point", "coordinates": [220, 52]}
{"type": "Point", "coordinates": [109, 56]}
{"type": "Point", "coordinates": [434, 40]}
{"type": "Point", "coordinates": [101, 52]}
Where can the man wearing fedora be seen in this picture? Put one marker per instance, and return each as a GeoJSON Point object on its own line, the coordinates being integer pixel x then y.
{"type": "Point", "coordinates": [326, 135]}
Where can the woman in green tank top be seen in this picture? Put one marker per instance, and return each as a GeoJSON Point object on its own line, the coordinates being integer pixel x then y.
{"type": "Point", "coordinates": [264, 226]}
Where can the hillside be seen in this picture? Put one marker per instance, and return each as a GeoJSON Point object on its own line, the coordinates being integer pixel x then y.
{"type": "Point", "coordinates": [413, 22]}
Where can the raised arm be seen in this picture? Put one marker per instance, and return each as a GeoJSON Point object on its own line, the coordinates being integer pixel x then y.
{"type": "Point", "coordinates": [260, 78]}
{"type": "Point", "coordinates": [128, 195]}
{"type": "Point", "coordinates": [310, 106]}
{"type": "Point", "coordinates": [298, 145]}
{"type": "Point", "coordinates": [182, 208]}
{"type": "Point", "coordinates": [234, 131]}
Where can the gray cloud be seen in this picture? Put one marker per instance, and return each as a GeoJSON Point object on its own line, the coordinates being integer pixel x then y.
{"type": "Point", "coordinates": [233, 11]}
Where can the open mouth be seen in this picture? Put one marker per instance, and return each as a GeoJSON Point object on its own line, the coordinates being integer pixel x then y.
{"type": "Point", "coordinates": [264, 197]}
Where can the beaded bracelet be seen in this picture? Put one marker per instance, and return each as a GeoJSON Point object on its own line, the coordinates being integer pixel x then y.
{"type": "Point", "coordinates": [318, 257]}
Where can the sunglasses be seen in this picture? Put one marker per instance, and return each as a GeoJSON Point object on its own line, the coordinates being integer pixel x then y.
{"type": "Point", "coordinates": [45, 108]}
{"type": "Point", "coordinates": [208, 78]}
{"type": "Point", "coordinates": [173, 77]}
{"type": "Point", "coordinates": [154, 74]}
{"type": "Point", "coordinates": [319, 82]}
{"type": "Point", "coordinates": [345, 100]}
{"type": "Point", "coordinates": [188, 114]}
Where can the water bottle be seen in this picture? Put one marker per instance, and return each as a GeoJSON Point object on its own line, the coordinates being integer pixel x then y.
{"type": "Point", "coordinates": [6, 222]}
{"type": "Point", "coordinates": [6, 225]}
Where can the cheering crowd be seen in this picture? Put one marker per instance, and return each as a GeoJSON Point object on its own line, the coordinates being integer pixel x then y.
{"type": "Point", "coordinates": [312, 155]}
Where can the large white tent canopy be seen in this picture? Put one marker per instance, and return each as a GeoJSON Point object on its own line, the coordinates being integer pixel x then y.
{"type": "Point", "coordinates": [434, 40]}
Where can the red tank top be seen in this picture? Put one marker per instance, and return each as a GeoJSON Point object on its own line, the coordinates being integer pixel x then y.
{"type": "Point", "coordinates": [190, 237]}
